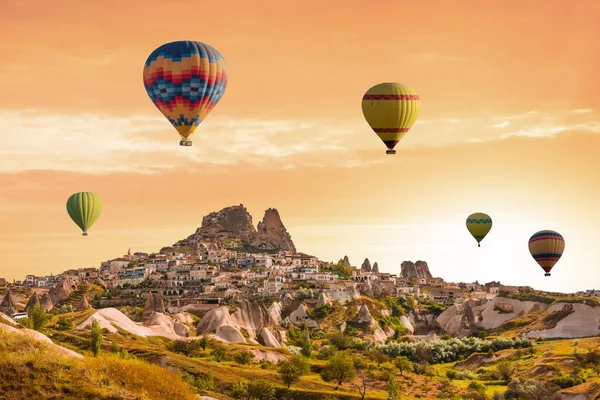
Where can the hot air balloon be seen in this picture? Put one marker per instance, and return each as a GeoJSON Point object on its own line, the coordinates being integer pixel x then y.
{"type": "Point", "coordinates": [546, 247]}
{"type": "Point", "coordinates": [185, 80]}
{"type": "Point", "coordinates": [479, 225]}
{"type": "Point", "coordinates": [391, 109]}
{"type": "Point", "coordinates": [84, 208]}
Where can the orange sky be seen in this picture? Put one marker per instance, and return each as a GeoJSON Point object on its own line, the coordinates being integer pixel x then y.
{"type": "Point", "coordinates": [509, 125]}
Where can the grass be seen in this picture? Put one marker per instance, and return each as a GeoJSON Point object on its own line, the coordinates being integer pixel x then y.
{"type": "Point", "coordinates": [32, 369]}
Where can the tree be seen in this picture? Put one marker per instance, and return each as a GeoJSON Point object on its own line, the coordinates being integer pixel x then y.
{"type": "Point", "coordinates": [293, 369]}
{"type": "Point", "coordinates": [38, 317]}
{"type": "Point", "coordinates": [255, 390]}
{"type": "Point", "coordinates": [204, 341]}
{"type": "Point", "coordinates": [593, 357]}
{"type": "Point", "coordinates": [403, 364]}
{"type": "Point", "coordinates": [96, 342]}
{"type": "Point", "coordinates": [365, 381]}
{"type": "Point", "coordinates": [219, 353]}
{"type": "Point", "coordinates": [185, 347]}
{"type": "Point", "coordinates": [340, 368]}
{"type": "Point", "coordinates": [506, 370]}
{"type": "Point", "coordinates": [64, 324]}
{"type": "Point", "coordinates": [394, 389]}
{"type": "Point", "coordinates": [377, 356]}
{"type": "Point", "coordinates": [245, 357]}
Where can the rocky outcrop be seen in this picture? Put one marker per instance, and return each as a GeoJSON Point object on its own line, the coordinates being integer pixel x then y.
{"type": "Point", "coordinates": [375, 268]}
{"type": "Point", "coordinates": [271, 234]}
{"type": "Point", "coordinates": [8, 304]}
{"type": "Point", "coordinates": [365, 318]}
{"type": "Point", "coordinates": [148, 307]}
{"type": "Point", "coordinates": [343, 293]}
{"type": "Point", "coordinates": [232, 227]}
{"type": "Point", "coordinates": [345, 261]}
{"type": "Point", "coordinates": [323, 299]}
{"type": "Point", "coordinates": [420, 269]}
{"type": "Point", "coordinates": [230, 334]}
{"type": "Point", "coordinates": [268, 339]}
{"type": "Point", "coordinates": [46, 302]}
{"type": "Point", "coordinates": [300, 316]}
{"type": "Point", "coordinates": [83, 304]}
{"type": "Point", "coordinates": [366, 266]}
{"type": "Point", "coordinates": [34, 301]}
{"type": "Point", "coordinates": [61, 291]}
{"type": "Point", "coordinates": [159, 303]}
{"type": "Point", "coordinates": [249, 316]}
{"type": "Point", "coordinates": [462, 319]}
{"type": "Point", "coordinates": [100, 283]}
{"type": "Point", "coordinates": [181, 329]}
{"type": "Point", "coordinates": [578, 320]}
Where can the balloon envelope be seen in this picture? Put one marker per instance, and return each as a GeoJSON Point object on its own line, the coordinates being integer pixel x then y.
{"type": "Point", "coordinates": [546, 247]}
{"type": "Point", "coordinates": [185, 80]}
{"type": "Point", "coordinates": [84, 208]}
{"type": "Point", "coordinates": [391, 109]}
{"type": "Point", "coordinates": [479, 225]}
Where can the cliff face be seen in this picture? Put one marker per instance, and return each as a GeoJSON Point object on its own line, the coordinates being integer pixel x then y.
{"type": "Point", "coordinates": [420, 269]}
{"type": "Point", "coordinates": [232, 227]}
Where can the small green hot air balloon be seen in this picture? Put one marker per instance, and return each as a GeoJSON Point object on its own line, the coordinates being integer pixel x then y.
{"type": "Point", "coordinates": [84, 208]}
{"type": "Point", "coordinates": [479, 225]}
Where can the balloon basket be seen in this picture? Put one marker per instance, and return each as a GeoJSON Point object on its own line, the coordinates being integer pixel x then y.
{"type": "Point", "coordinates": [84, 234]}
{"type": "Point", "coordinates": [390, 151]}
{"type": "Point", "coordinates": [185, 142]}
{"type": "Point", "coordinates": [547, 274]}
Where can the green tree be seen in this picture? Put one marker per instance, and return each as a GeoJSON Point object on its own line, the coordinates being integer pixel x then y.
{"type": "Point", "coordinates": [340, 368]}
{"type": "Point", "coordinates": [377, 356]}
{"type": "Point", "coordinates": [204, 341]}
{"type": "Point", "coordinates": [64, 324]}
{"type": "Point", "coordinates": [38, 317]}
{"type": "Point", "coordinates": [219, 353]}
{"type": "Point", "coordinates": [394, 389]}
{"type": "Point", "coordinates": [185, 347]}
{"type": "Point", "coordinates": [244, 357]}
{"type": "Point", "coordinates": [403, 364]}
{"type": "Point", "coordinates": [506, 370]}
{"type": "Point", "coordinates": [255, 390]}
{"type": "Point", "coordinates": [96, 342]}
{"type": "Point", "coordinates": [293, 369]}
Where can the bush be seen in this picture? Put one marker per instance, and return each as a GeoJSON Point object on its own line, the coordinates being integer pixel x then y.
{"type": "Point", "coordinates": [64, 324]}
{"type": "Point", "coordinates": [244, 357]}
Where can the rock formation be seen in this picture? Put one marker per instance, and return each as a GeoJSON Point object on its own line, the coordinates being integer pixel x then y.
{"type": "Point", "coordinates": [251, 317]}
{"type": "Point", "coordinates": [8, 304]}
{"type": "Point", "coordinates": [343, 293]}
{"type": "Point", "coordinates": [300, 316]}
{"type": "Point", "coordinates": [420, 269]}
{"type": "Point", "coordinates": [375, 268]}
{"type": "Point", "coordinates": [181, 329]}
{"type": "Point", "coordinates": [148, 307]}
{"type": "Point", "coordinates": [271, 233]}
{"type": "Point", "coordinates": [323, 299]}
{"type": "Point", "coordinates": [83, 304]}
{"type": "Point", "coordinates": [61, 291]}
{"type": "Point", "coordinates": [345, 261]}
{"type": "Point", "coordinates": [46, 302]}
{"type": "Point", "coordinates": [232, 227]}
{"type": "Point", "coordinates": [366, 266]}
{"type": "Point", "coordinates": [34, 301]}
{"type": "Point", "coordinates": [364, 317]}
{"type": "Point", "coordinates": [159, 303]}
{"type": "Point", "coordinates": [39, 337]}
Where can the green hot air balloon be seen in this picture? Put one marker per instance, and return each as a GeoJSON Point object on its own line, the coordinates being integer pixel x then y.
{"type": "Point", "coordinates": [479, 225]}
{"type": "Point", "coordinates": [84, 208]}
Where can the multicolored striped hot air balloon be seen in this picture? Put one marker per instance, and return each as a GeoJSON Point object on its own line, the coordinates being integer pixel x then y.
{"type": "Point", "coordinates": [546, 247]}
{"type": "Point", "coordinates": [479, 225]}
{"type": "Point", "coordinates": [185, 80]}
{"type": "Point", "coordinates": [391, 109]}
{"type": "Point", "coordinates": [84, 208]}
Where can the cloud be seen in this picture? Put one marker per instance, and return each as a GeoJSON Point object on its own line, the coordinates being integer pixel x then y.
{"type": "Point", "coordinates": [34, 140]}
{"type": "Point", "coordinates": [148, 144]}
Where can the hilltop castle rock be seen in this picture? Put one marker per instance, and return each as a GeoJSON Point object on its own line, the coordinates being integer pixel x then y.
{"type": "Point", "coordinates": [420, 269]}
{"type": "Point", "coordinates": [366, 265]}
{"type": "Point", "coordinates": [232, 227]}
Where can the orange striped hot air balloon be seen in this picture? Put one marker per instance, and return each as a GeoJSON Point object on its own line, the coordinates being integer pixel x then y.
{"type": "Point", "coordinates": [391, 109]}
{"type": "Point", "coordinates": [546, 247]}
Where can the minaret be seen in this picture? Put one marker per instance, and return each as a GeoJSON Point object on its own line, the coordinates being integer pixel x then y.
{"type": "Point", "coordinates": [129, 254]}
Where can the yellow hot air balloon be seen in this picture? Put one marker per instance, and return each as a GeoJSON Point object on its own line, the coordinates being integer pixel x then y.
{"type": "Point", "coordinates": [391, 109]}
{"type": "Point", "coordinates": [479, 225]}
{"type": "Point", "coordinates": [546, 248]}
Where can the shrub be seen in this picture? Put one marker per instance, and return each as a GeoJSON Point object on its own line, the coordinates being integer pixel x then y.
{"type": "Point", "coordinates": [244, 357]}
